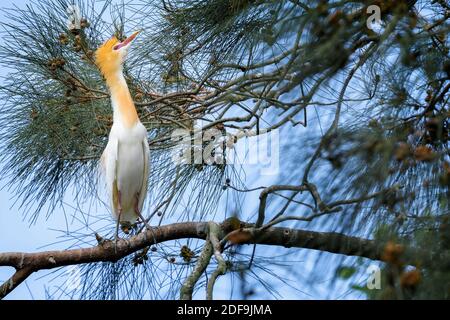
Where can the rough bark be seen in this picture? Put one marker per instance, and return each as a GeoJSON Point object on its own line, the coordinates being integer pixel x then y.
{"type": "Point", "coordinates": [27, 263]}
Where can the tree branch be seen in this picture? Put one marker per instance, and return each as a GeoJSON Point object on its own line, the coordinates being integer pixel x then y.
{"type": "Point", "coordinates": [214, 237]}
{"type": "Point", "coordinates": [17, 278]}
{"type": "Point", "coordinates": [203, 261]}
{"type": "Point", "coordinates": [27, 263]}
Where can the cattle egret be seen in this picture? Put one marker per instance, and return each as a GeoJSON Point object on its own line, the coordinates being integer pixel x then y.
{"type": "Point", "coordinates": [125, 160]}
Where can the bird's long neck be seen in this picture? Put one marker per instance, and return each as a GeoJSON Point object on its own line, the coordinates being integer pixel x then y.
{"type": "Point", "coordinates": [124, 110]}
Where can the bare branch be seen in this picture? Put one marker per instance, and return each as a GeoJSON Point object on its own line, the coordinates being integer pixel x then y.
{"type": "Point", "coordinates": [203, 261]}
{"type": "Point", "coordinates": [17, 278]}
{"type": "Point", "coordinates": [214, 235]}
{"type": "Point", "coordinates": [265, 193]}
{"type": "Point", "coordinates": [26, 263]}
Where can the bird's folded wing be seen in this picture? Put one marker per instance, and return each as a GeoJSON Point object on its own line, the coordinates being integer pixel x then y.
{"type": "Point", "coordinates": [108, 163]}
{"type": "Point", "coordinates": [146, 154]}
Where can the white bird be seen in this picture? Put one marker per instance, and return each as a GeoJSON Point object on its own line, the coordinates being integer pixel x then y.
{"type": "Point", "coordinates": [125, 160]}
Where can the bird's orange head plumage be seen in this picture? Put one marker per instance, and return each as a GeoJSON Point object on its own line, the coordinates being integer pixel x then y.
{"type": "Point", "coordinates": [110, 56]}
{"type": "Point", "coordinates": [107, 58]}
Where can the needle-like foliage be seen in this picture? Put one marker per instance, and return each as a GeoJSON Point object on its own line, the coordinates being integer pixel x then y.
{"type": "Point", "coordinates": [361, 109]}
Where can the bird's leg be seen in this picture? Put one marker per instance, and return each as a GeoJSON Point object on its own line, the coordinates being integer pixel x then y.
{"type": "Point", "coordinates": [138, 212]}
{"type": "Point", "coordinates": [119, 209]}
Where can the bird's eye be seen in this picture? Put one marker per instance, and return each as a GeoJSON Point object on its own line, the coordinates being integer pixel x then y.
{"type": "Point", "coordinates": [116, 47]}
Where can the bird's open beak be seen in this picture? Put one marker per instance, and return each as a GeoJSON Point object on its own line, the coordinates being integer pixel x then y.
{"type": "Point", "coordinates": [127, 41]}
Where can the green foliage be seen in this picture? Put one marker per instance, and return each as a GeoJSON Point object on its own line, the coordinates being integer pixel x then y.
{"type": "Point", "coordinates": [57, 113]}
{"type": "Point", "coordinates": [345, 272]}
{"type": "Point", "coordinates": [371, 107]}
{"type": "Point", "coordinates": [50, 121]}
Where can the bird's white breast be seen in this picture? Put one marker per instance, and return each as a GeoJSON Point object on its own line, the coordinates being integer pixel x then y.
{"type": "Point", "coordinates": [130, 164]}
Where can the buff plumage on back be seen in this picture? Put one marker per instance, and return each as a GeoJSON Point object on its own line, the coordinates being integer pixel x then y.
{"type": "Point", "coordinates": [107, 59]}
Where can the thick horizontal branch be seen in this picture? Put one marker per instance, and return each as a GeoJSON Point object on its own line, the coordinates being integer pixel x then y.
{"type": "Point", "coordinates": [108, 251]}
{"type": "Point", "coordinates": [323, 241]}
